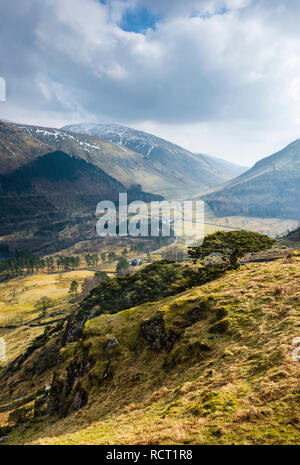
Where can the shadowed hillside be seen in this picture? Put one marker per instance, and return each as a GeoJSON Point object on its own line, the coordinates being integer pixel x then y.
{"type": "Point", "coordinates": [56, 183]}
{"type": "Point", "coordinates": [294, 236]}
{"type": "Point", "coordinates": [269, 189]}
{"type": "Point", "coordinates": [56, 191]}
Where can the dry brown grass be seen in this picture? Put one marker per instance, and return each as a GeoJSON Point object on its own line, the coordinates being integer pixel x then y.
{"type": "Point", "coordinates": [244, 391]}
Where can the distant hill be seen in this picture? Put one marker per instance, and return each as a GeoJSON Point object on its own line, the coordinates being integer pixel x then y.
{"type": "Point", "coordinates": [294, 236]}
{"type": "Point", "coordinates": [163, 167]}
{"type": "Point", "coordinates": [226, 168]}
{"type": "Point", "coordinates": [270, 189]}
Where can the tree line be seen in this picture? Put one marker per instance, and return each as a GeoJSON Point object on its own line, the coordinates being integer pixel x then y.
{"type": "Point", "coordinates": [25, 264]}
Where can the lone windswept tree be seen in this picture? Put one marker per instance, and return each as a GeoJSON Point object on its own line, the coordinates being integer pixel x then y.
{"type": "Point", "coordinates": [43, 304]}
{"type": "Point", "coordinates": [231, 246]}
{"type": "Point", "coordinates": [74, 287]}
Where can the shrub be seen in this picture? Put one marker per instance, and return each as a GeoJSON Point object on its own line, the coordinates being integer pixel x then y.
{"type": "Point", "coordinates": [231, 246]}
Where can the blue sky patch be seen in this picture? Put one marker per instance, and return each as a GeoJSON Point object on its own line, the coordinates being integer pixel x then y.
{"type": "Point", "coordinates": [138, 20]}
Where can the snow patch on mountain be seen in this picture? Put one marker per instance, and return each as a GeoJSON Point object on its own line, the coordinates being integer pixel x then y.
{"type": "Point", "coordinates": [138, 141]}
{"type": "Point", "coordinates": [58, 135]}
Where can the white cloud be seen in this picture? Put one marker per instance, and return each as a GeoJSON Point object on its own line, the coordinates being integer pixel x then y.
{"type": "Point", "coordinates": [217, 76]}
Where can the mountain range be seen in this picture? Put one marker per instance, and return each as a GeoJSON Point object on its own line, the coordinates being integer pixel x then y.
{"type": "Point", "coordinates": [270, 189]}
{"type": "Point", "coordinates": [100, 160]}
{"type": "Point", "coordinates": [48, 177]}
{"type": "Point", "coordinates": [162, 167]}
{"type": "Point", "coordinates": [44, 190]}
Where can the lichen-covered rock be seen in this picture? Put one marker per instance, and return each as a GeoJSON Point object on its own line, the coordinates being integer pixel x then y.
{"type": "Point", "coordinates": [76, 370]}
{"type": "Point", "coordinates": [111, 346]}
{"type": "Point", "coordinates": [75, 323]}
{"type": "Point", "coordinates": [155, 333]}
{"type": "Point", "coordinates": [41, 403]}
{"type": "Point", "coordinates": [73, 330]}
{"type": "Point", "coordinates": [56, 404]}
{"type": "Point", "coordinates": [80, 398]}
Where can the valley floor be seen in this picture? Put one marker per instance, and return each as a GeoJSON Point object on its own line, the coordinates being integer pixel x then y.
{"type": "Point", "coordinates": [20, 322]}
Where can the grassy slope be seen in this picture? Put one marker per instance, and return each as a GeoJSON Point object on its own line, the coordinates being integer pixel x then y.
{"type": "Point", "coordinates": [28, 290]}
{"type": "Point", "coordinates": [243, 391]}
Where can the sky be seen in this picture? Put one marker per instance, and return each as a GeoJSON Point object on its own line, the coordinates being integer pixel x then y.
{"type": "Point", "coordinates": [220, 77]}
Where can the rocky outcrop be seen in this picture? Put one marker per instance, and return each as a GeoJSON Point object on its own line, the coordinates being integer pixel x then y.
{"type": "Point", "coordinates": [73, 330]}
{"type": "Point", "coordinates": [41, 403]}
{"type": "Point", "coordinates": [56, 397]}
{"type": "Point", "coordinates": [76, 370]}
{"type": "Point", "coordinates": [155, 333]}
{"type": "Point", "coordinates": [75, 324]}
{"type": "Point", "coordinates": [111, 346]}
{"type": "Point", "coordinates": [80, 398]}
{"type": "Point", "coordinates": [67, 394]}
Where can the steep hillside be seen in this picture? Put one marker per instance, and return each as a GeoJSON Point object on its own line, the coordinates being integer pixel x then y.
{"type": "Point", "coordinates": [182, 170]}
{"type": "Point", "coordinates": [223, 167]}
{"type": "Point", "coordinates": [54, 183]}
{"type": "Point", "coordinates": [56, 186]}
{"type": "Point", "coordinates": [213, 365]}
{"type": "Point", "coordinates": [270, 189]}
{"type": "Point", "coordinates": [18, 148]}
{"type": "Point", "coordinates": [293, 236]}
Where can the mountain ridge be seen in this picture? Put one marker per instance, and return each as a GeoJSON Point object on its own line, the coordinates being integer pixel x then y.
{"type": "Point", "coordinates": [132, 157]}
{"type": "Point", "coordinates": [228, 167]}
{"type": "Point", "coordinates": [269, 189]}
{"type": "Point", "coordinates": [17, 147]}
{"type": "Point", "coordinates": [190, 169]}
